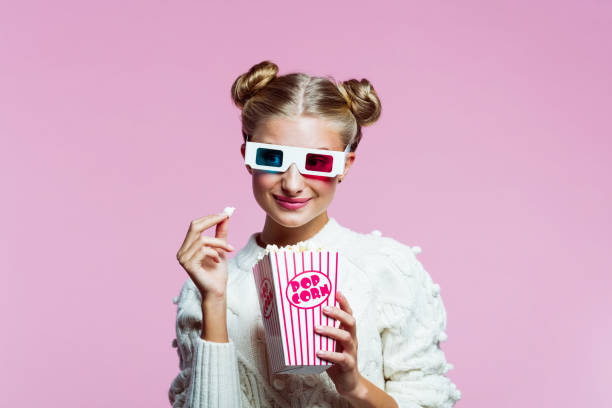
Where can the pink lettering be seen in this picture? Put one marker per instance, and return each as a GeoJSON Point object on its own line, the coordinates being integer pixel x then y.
{"type": "Point", "coordinates": [306, 290]}
{"type": "Point", "coordinates": [295, 286]}
{"type": "Point", "coordinates": [315, 293]}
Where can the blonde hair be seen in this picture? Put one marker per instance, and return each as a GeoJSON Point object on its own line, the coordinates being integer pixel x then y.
{"type": "Point", "coordinates": [346, 106]}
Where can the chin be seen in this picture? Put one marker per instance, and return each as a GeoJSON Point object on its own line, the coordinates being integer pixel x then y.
{"type": "Point", "coordinates": [291, 219]}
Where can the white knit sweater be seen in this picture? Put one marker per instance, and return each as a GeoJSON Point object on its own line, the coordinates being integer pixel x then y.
{"type": "Point", "coordinates": [400, 321]}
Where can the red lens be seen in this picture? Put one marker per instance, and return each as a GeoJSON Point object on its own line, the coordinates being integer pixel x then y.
{"type": "Point", "coordinates": [319, 162]}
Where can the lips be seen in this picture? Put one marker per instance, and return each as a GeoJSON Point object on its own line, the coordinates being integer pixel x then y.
{"type": "Point", "coordinates": [294, 203]}
{"type": "Point", "coordinates": [291, 200]}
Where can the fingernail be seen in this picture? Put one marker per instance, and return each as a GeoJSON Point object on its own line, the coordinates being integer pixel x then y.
{"type": "Point", "coordinates": [230, 246]}
{"type": "Point", "coordinates": [326, 308]}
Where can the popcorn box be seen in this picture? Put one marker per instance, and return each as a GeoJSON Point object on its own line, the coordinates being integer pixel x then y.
{"type": "Point", "coordinates": [293, 285]}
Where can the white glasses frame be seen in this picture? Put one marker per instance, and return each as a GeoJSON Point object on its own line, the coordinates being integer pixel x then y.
{"type": "Point", "coordinates": [297, 155]}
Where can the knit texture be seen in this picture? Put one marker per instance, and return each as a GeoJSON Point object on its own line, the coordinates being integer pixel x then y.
{"type": "Point", "coordinates": [400, 316]}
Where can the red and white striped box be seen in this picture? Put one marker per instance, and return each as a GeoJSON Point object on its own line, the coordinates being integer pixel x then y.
{"type": "Point", "coordinates": [292, 286]}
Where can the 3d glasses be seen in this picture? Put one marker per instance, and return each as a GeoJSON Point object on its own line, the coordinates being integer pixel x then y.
{"type": "Point", "coordinates": [278, 158]}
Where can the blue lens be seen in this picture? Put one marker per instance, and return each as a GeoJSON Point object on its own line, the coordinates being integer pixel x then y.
{"type": "Point", "coordinates": [269, 157]}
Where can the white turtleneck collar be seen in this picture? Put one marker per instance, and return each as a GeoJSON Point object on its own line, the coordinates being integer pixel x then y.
{"type": "Point", "coordinates": [326, 237]}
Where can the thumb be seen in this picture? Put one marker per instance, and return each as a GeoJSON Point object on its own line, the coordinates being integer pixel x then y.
{"type": "Point", "coordinates": [223, 226]}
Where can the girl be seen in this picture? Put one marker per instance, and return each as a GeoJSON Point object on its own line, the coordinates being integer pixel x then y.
{"type": "Point", "coordinates": [391, 315]}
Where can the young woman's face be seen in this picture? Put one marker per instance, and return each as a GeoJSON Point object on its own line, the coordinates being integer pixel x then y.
{"type": "Point", "coordinates": [304, 132]}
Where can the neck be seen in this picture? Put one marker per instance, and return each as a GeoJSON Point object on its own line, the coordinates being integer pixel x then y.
{"type": "Point", "coordinates": [274, 233]}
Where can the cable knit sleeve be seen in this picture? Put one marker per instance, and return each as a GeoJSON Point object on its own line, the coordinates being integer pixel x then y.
{"type": "Point", "coordinates": [412, 324]}
{"type": "Point", "coordinates": [208, 374]}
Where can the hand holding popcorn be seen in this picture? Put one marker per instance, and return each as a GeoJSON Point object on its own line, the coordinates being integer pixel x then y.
{"type": "Point", "coordinates": [203, 257]}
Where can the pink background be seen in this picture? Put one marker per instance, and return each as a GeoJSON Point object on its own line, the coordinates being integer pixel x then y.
{"type": "Point", "coordinates": [492, 153]}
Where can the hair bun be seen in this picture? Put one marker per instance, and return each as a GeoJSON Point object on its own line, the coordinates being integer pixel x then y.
{"type": "Point", "coordinates": [247, 84]}
{"type": "Point", "coordinates": [362, 99]}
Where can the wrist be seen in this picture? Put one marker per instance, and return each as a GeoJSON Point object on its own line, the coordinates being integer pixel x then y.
{"type": "Point", "coordinates": [214, 315]}
{"type": "Point", "coordinates": [213, 299]}
{"type": "Point", "coordinates": [359, 391]}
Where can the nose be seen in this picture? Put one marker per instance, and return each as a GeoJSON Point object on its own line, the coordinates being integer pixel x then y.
{"type": "Point", "coordinates": [292, 181]}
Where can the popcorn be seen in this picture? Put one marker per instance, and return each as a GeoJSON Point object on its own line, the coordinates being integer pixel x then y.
{"type": "Point", "coordinates": [309, 245]}
{"type": "Point", "coordinates": [293, 283]}
{"type": "Point", "coordinates": [229, 211]}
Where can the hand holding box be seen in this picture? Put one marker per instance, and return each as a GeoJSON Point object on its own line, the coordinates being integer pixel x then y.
{"type": "Point", "coordinates": [293, 284]}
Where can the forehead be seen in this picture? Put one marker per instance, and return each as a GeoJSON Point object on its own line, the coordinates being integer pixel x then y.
{"type": "Point", "coordinates": [302, 132]}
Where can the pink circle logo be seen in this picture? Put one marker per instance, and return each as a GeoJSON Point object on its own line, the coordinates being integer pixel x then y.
{"type": "Point", "coordinates": [266, 297]}
{"type": "Point", "coordinates": [308, 289]}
